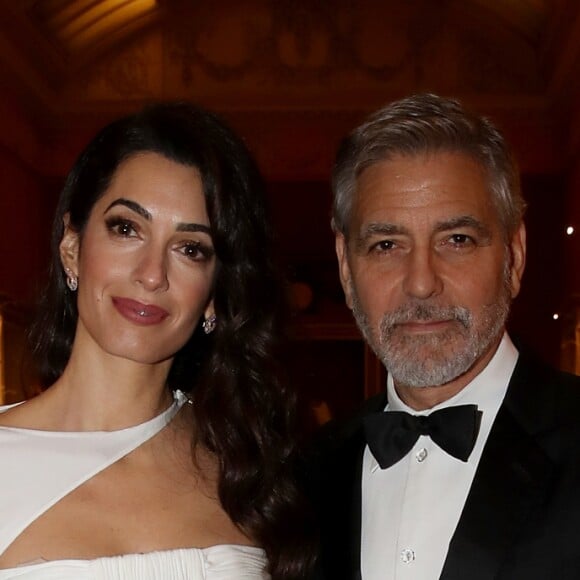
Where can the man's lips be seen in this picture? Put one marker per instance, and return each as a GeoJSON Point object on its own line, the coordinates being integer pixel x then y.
{"type": "Point", "coordinates": [425, 325]}
{"type": "Point", "coordinates": [139, 313]}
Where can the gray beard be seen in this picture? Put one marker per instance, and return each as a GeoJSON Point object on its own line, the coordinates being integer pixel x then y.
{"type": "Point", "coordinates": [433, 359]}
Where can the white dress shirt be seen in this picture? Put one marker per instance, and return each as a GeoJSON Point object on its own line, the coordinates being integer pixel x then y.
{"type": "Point", "coordinates": [411, 509]}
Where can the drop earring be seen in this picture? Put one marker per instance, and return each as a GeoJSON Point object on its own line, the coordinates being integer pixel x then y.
{"type": "Point", "coordinates": [71, 281]}
{"type": "Point", "coordinates": [209, 324]}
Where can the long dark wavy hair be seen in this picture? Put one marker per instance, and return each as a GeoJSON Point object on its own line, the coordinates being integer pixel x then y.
{"type": "Point", "coordinates": [243, 412]}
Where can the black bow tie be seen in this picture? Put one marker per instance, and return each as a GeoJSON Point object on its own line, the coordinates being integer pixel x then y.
{"type": "Point", "coordinates": [392, 434]}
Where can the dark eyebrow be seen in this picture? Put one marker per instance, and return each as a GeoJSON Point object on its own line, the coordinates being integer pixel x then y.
{"type": "Point", "coordinates": [464, 221]}
{"type": "Point", "coordinates": [139, 209]}
{"type": "Point", "coordinates": [132, 205]}
{"type": "Point", "coordinates": [183, 227]}
{"type": "Point", "coordinates": [378, 229]}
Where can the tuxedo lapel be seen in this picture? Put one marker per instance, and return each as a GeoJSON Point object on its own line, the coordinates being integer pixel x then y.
{"type": "Point", "coordinates": [512, 478]}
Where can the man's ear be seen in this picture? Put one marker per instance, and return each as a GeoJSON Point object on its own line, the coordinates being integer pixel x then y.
{"type": "Point", "coordinates": [343, 267]}
{"type": "Point", "coordinates": [69, 248]}
{"type": "Point", "coordinates": [518, 259]}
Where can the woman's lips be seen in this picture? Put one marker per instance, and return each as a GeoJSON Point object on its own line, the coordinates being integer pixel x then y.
{"type": "Point", "coordinates": [139, 313]}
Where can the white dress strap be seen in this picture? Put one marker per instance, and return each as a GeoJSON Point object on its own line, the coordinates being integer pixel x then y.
{"type": "Point", "coordinates": [39, 468]}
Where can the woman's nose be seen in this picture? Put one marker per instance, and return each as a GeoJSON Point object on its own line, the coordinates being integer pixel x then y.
{"type": "Point", "coordinates": [151, 271]}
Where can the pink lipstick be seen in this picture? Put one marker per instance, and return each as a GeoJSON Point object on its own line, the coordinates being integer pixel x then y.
{"type": "Point", "coordinates": [139, 313]}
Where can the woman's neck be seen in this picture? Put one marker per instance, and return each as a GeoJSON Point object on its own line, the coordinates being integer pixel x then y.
{"type": "Point", "coordinates": [100, 392]}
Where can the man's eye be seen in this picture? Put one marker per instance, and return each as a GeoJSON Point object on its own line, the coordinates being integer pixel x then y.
{"type": "Point", "coordinates": [384, 246]}
{"type": "Point", "coordinates": [461, 240]}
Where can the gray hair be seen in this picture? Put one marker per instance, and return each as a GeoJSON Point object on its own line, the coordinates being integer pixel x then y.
{"type": "Point", "coordinates": [423, 124]}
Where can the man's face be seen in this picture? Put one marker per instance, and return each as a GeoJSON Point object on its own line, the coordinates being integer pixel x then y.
{"type": "Point", "coordinates": [426, 268]}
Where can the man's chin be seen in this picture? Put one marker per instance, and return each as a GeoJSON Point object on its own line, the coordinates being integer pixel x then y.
{"type": "Point", "coordinates": [427, 366]}
{"type": "Point", "coordinates": [426, 345]}
{"type": "Point", "coordinates": [417, 377]}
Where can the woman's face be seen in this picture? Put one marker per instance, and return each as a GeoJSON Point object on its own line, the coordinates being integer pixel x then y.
{"type": "Point", "coordinates": [145, 261]}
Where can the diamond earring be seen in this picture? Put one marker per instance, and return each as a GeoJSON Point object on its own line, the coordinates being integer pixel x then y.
{"type": "Point", "coordinates": [209, 324]}
{"type": "Point", "coordinates": [71, 281]}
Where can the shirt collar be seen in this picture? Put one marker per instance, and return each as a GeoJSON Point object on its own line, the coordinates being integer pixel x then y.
{"type": "Point", "coordinates": [487, 390]}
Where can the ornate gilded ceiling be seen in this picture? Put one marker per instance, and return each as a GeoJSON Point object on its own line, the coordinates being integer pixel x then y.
{"type": "Point", "coordinates": [292, 62]}
{"type": "Point", "coordinates": [266, 53]}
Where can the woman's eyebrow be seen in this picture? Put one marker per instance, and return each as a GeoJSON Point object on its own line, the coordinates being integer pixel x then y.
{"type": "Point", "coordinates": [185, 227]}
{"type": "Point", "coordinates": [132, 205]}
{"type": "Point", "coordinates": [139, 209]}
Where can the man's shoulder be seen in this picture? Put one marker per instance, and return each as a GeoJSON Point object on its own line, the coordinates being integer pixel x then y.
{"type": "Point", "coordinates": [331, 470]}
{"type": "Point", "coordinates": [337, 433]}
{"type": "Point", "coordinates": [338, 445]}
{"type": "Point", "coordinates": [540, 376]}
{"type": "Point", "coordinates": [544, 397]}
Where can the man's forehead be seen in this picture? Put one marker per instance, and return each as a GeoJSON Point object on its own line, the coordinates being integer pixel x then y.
{"type": "Point", "coordinates": [432, 161]}
{"type": "Point", "coordinates": [422, 181]}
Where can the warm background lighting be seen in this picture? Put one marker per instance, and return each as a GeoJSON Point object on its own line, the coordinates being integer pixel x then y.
{"type": "Point", "coordinates": [80, 24]}
{"type": "Point", "coordinates": [292, 78]}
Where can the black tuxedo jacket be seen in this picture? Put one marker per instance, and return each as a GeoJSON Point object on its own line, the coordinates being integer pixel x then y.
{"type": "Point", "coordinates": [521, 520]}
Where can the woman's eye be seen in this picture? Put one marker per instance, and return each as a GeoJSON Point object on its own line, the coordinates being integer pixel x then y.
{"type": "Point", "coordinates": [196, 251]}
{"type": "Point", "coordinates": [124, 229]}
{"type": "Point", "coordinates": [120, 227]}
{"type": "Point", "coordinates": [191, 250]}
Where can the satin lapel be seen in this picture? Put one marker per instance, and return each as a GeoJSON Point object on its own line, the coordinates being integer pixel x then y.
{"type": "Point", "coordinates": [511, 480]}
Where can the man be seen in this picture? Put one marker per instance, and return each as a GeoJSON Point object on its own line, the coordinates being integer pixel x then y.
{"type": "Point", "coordinates": [468, 466]}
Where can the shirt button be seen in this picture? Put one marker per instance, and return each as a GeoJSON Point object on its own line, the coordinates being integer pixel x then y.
{"type": "Point", "coordinates": [421, 455]}
{"type": "Point", "coordinates": [407, 555]}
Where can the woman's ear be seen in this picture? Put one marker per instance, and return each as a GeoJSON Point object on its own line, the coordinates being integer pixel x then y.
{"type": "Point", "coordinates": [209, 310]}
{"type": "Point", "coordinates": [210, 321]}
{"type": "Point", "coordinates": [69, 248]}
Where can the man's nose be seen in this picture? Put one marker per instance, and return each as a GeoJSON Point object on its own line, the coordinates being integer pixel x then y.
{"type": "Point", "coordinates": [422, 279]}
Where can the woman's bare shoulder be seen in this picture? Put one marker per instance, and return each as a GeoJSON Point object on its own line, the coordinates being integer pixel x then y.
{"type": "Point", "coordinates": [33, 413]}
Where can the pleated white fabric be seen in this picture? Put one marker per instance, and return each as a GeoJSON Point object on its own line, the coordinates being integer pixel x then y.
{"type": "Point", "coordinates": [227, 562]}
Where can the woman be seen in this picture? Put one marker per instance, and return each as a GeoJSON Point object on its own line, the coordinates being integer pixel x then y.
{"type": "Point", "coordinates": [161, 450]}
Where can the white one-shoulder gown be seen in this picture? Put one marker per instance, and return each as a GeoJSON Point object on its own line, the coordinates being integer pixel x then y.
{"type": "Point", "coordinates": [39, 468]}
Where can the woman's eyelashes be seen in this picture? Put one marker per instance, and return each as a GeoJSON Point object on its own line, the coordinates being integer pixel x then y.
{"type": "Point", "coordinates": [193, 249]}
{"type": "Point", "coordinates": [196, 250]}
{"type": "Point", "coordinates": [121, 227]}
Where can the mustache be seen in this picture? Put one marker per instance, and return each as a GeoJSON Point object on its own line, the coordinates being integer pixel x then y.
{"type": "Point", "coordinates": [427, 313]}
